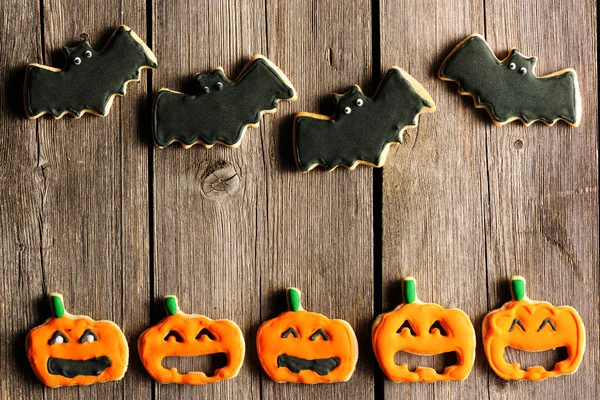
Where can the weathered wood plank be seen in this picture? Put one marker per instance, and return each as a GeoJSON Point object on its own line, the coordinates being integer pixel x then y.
{"type": "Point", "coordinates": [206, 242]}
{"type": "Point", "coordinates": [435, 186]}
{"type": "Point", "coordinates": [21, 179]}
{"type": "Point", "coordinates": [94, 197]}
{"type": "Point", "coordinates": [544, 187]}
{"type": "Point", "coordinates": [318, 227]}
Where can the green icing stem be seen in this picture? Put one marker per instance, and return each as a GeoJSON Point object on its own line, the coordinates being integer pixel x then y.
{"type": "Point", "coordinates": [517, 286]}
{"type": "Point", "coordinates": [170, 303]}
{"type": "Point", "coordinates": [58, 308]}
{"type": "Point", "coordinates": [294, 299]}
{"type": "Point", "coordinates": [410, 290]}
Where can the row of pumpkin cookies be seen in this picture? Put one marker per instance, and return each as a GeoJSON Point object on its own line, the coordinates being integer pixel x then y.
{"type": "Point", "coordinates": [72, 350]}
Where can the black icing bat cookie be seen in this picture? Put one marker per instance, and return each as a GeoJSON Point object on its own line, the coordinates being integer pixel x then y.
{"type": "Point", "coordinates": [90, 80]}
{"type": "Point", "coordinates": [508, 89]}
{"type": "Point", "coordinates": [363, 128]}
{"type": "Point", "coordinates": [222, 109]}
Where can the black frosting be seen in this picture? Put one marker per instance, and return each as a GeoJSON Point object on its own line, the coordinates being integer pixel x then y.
{"type": "Point", "coordinates": [321, 366]}
{"type": "Point", "coordinates": [220, 110]}
{"type": "Point", "coordinates": [363, 134]}
{"type": "Point", "coordinates": [86, 83]}
{"type": "Point", "coordinates": [509, 88]}
{"type": "Point", "coordinates": [73, 368]}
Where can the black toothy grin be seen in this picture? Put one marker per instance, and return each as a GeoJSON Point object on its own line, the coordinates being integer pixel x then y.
{"type": "Point", "coordinates": [73, 368]}
{"type": "Point", "coordinates": [321, 366]}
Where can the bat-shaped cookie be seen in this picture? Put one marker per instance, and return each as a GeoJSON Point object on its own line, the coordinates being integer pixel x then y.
{"type": "Point", "coordinates": [90, 80]}
{"type": "Point", "coordinates": [221, 109]}
{"type": "Point", "coordinates": [363, 128]}
{"type": "Point", "coordinates": [508, 89]}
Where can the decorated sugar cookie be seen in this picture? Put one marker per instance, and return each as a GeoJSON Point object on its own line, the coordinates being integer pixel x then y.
{"type": "Point", "coordinates": [306, 347]}
{"type": "Point", "coordinates": [190, 335]}
{"type": "Point", "coordinates": [90, 79]}
{"type": "Point", "coordinates": [220, 110]}
{"type": "Point", "coordinates": [69, 350]}
{"type": "Point", "coordinates": [530, 325]}
{"type": "Point", "coordinates": [363, 128]}
{"type": "Point", "coordinates": [509, 89]}
{"type": "Point", "coordinates": [425, 329]}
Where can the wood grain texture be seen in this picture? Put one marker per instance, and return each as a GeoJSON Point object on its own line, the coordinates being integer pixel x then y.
{"type": "Point", "coordinates": [435, 186]}
{"type": "Point", "coordinates": [318, 226]}
{"type": "Point", "coordinates": [207, 246]}
{"type": "Point", "coordinates": [91, 194]}
{"type": "Point", "coordinates": [543, 218]}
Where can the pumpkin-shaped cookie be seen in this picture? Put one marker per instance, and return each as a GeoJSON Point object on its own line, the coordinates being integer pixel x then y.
{"type": "Point", "coordinates": [532, 326]}
{"type": "Point", "coordinates": [71, 350]}
{"type": "Point", "coordinates": [190, 335]}
{"type": "Point", "coordinates": [306, 347]}
{"type": "Point", "coordinates": [425, 329]}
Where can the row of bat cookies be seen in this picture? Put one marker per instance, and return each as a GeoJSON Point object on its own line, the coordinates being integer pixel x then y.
{"type": "Point", "coordinates": [220, 110]}
{"type": "Point", "coordinates": [307, 347]}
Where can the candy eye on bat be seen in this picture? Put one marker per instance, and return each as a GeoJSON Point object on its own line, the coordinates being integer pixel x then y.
{"type": "Point", "coordinates": [88, 54]}
{"type": "Point", "coordinates": [206, 89]}
{"type": "Point", "coordinates": [289, 331]}
{"type": "Point", "coordinates": [219, 86]}
{"type": "Point", "coordinates": [359, 102]}
{"type": "Point", "coordinates": [512, 66]}
{"type": "Point", "coordinates": [523, 70]}
{"type": "Point", "coordinates": [347, 110]}
{"type": "Point", "coordinates": [77, 61]}
{"type": "Point", "coordinates": [515, 322]}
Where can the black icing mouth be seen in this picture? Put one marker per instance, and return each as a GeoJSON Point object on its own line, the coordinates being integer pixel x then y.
{"type": "Point", "coordinates": [321, 366]}
{"type": "Point", "coordinates": [73, 368]}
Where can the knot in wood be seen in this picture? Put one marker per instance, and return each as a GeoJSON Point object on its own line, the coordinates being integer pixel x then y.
{"type": "Point", "coordinates": [219, 180]}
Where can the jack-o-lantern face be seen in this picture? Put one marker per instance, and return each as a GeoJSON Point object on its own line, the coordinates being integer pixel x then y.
{"type": "Point", "coordinates": [427, 329]}
{"type": "Point", "coordinates": [306, 347]}
{"type": "Point", "coordinates": [76, 350]}
{"type": "Point", "coordinates": [532, 326]}
{"type": "Point", "coordinates": [185, 335]}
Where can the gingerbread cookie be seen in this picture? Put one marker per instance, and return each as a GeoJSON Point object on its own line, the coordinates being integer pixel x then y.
{"type": "Point", "coordinates": [69, 350]}
{"type": "Point", "coordinates": [221, 109]}
{"type": "Point", "coordinates": [90, 80]}
{"type": "Point", "coordinates": [363, 128]}
{"type": "Point", "coordinates": [425, 329]}
{"type": "Point", "coordinates": [306, 347]}
{"type": "Point", "coordinates": [190, 335]}
{"type": "Point", "coordinates": [530, 325]}
{"type": "Point", "coordinates": [508, 89]}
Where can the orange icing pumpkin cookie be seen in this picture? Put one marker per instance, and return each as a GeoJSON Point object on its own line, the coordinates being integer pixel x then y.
{"type": "Point", "coordinates": [69, 350]}
{"type": "Point", "coordinates": [426, 329]}
{"type": "Point", "coordinates": [532, 326]}
{"type": "Point", "coordinates": [306, 347]}
{"type": "Point", "coordinates": [190, 335]}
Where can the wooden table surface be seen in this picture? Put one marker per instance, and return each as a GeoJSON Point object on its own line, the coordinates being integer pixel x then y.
{"type": "Point", "coordinates": [91, 210]}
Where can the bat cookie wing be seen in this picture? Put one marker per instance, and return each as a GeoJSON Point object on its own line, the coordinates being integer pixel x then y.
{"type": "Point", "coordinates": [90, 79]}
{"type": "Point", "coordinates": [363, 128]}
{"type": "Point", "coordinates": [508, 89]}
{"type": "Point", "coordinates": [221, 109]}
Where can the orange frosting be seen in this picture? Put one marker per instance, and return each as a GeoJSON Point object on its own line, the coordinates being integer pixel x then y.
{"type": "Point", "coordinates": [339, 342]}
{"type": "Point", "coordinates": [532, 326]}
{"type": "Point", "coordinates": [391, 335]}
{"type": "Point", "coordinates": [154, 346]}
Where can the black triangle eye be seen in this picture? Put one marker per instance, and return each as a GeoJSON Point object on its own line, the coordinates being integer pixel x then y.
{"type": "Point", "coordinates": [516, 322]}
{"type": "Point", "coordinates": [319, 332]}
{"type": "Point", "coordinates": [175, 335]}
{"type": "Point", "coordinates": [58, 338]}
{"type": "Point", "coordinates": [407, 325]}
{"type": "Point", "coordinates": [438, 325]}
{"type": "Point", "coordinates": [547, 322]}
{"type": "Point", "coordinates": [88, 336]}
{"type": "Point", "coordinates": [205, 332]}
{"type": "Point", "coordinates": [289, 331]}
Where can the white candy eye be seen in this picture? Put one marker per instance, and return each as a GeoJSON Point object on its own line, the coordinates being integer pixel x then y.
{"type": "Point", "coordinates": [88, 54]}
{"type": "Point", "coordinates": [206, 89]}
{"type": "Point", "coordinates": [219, 86]}
{"type": "Point", "coordinates": [512, 66]}
{"type": "Point", "coordinates": [59, 340]}
{"type": "Point", "coordinates": [523, 70]}
{"type": "Point", "coordinates": [359, 102]}
{"type": "Point", "coordinates": [77, 61]}
{"type": "Point", "coordinates": [89, 338]}
{"type": "Point", "coordinates": [347, 110]}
